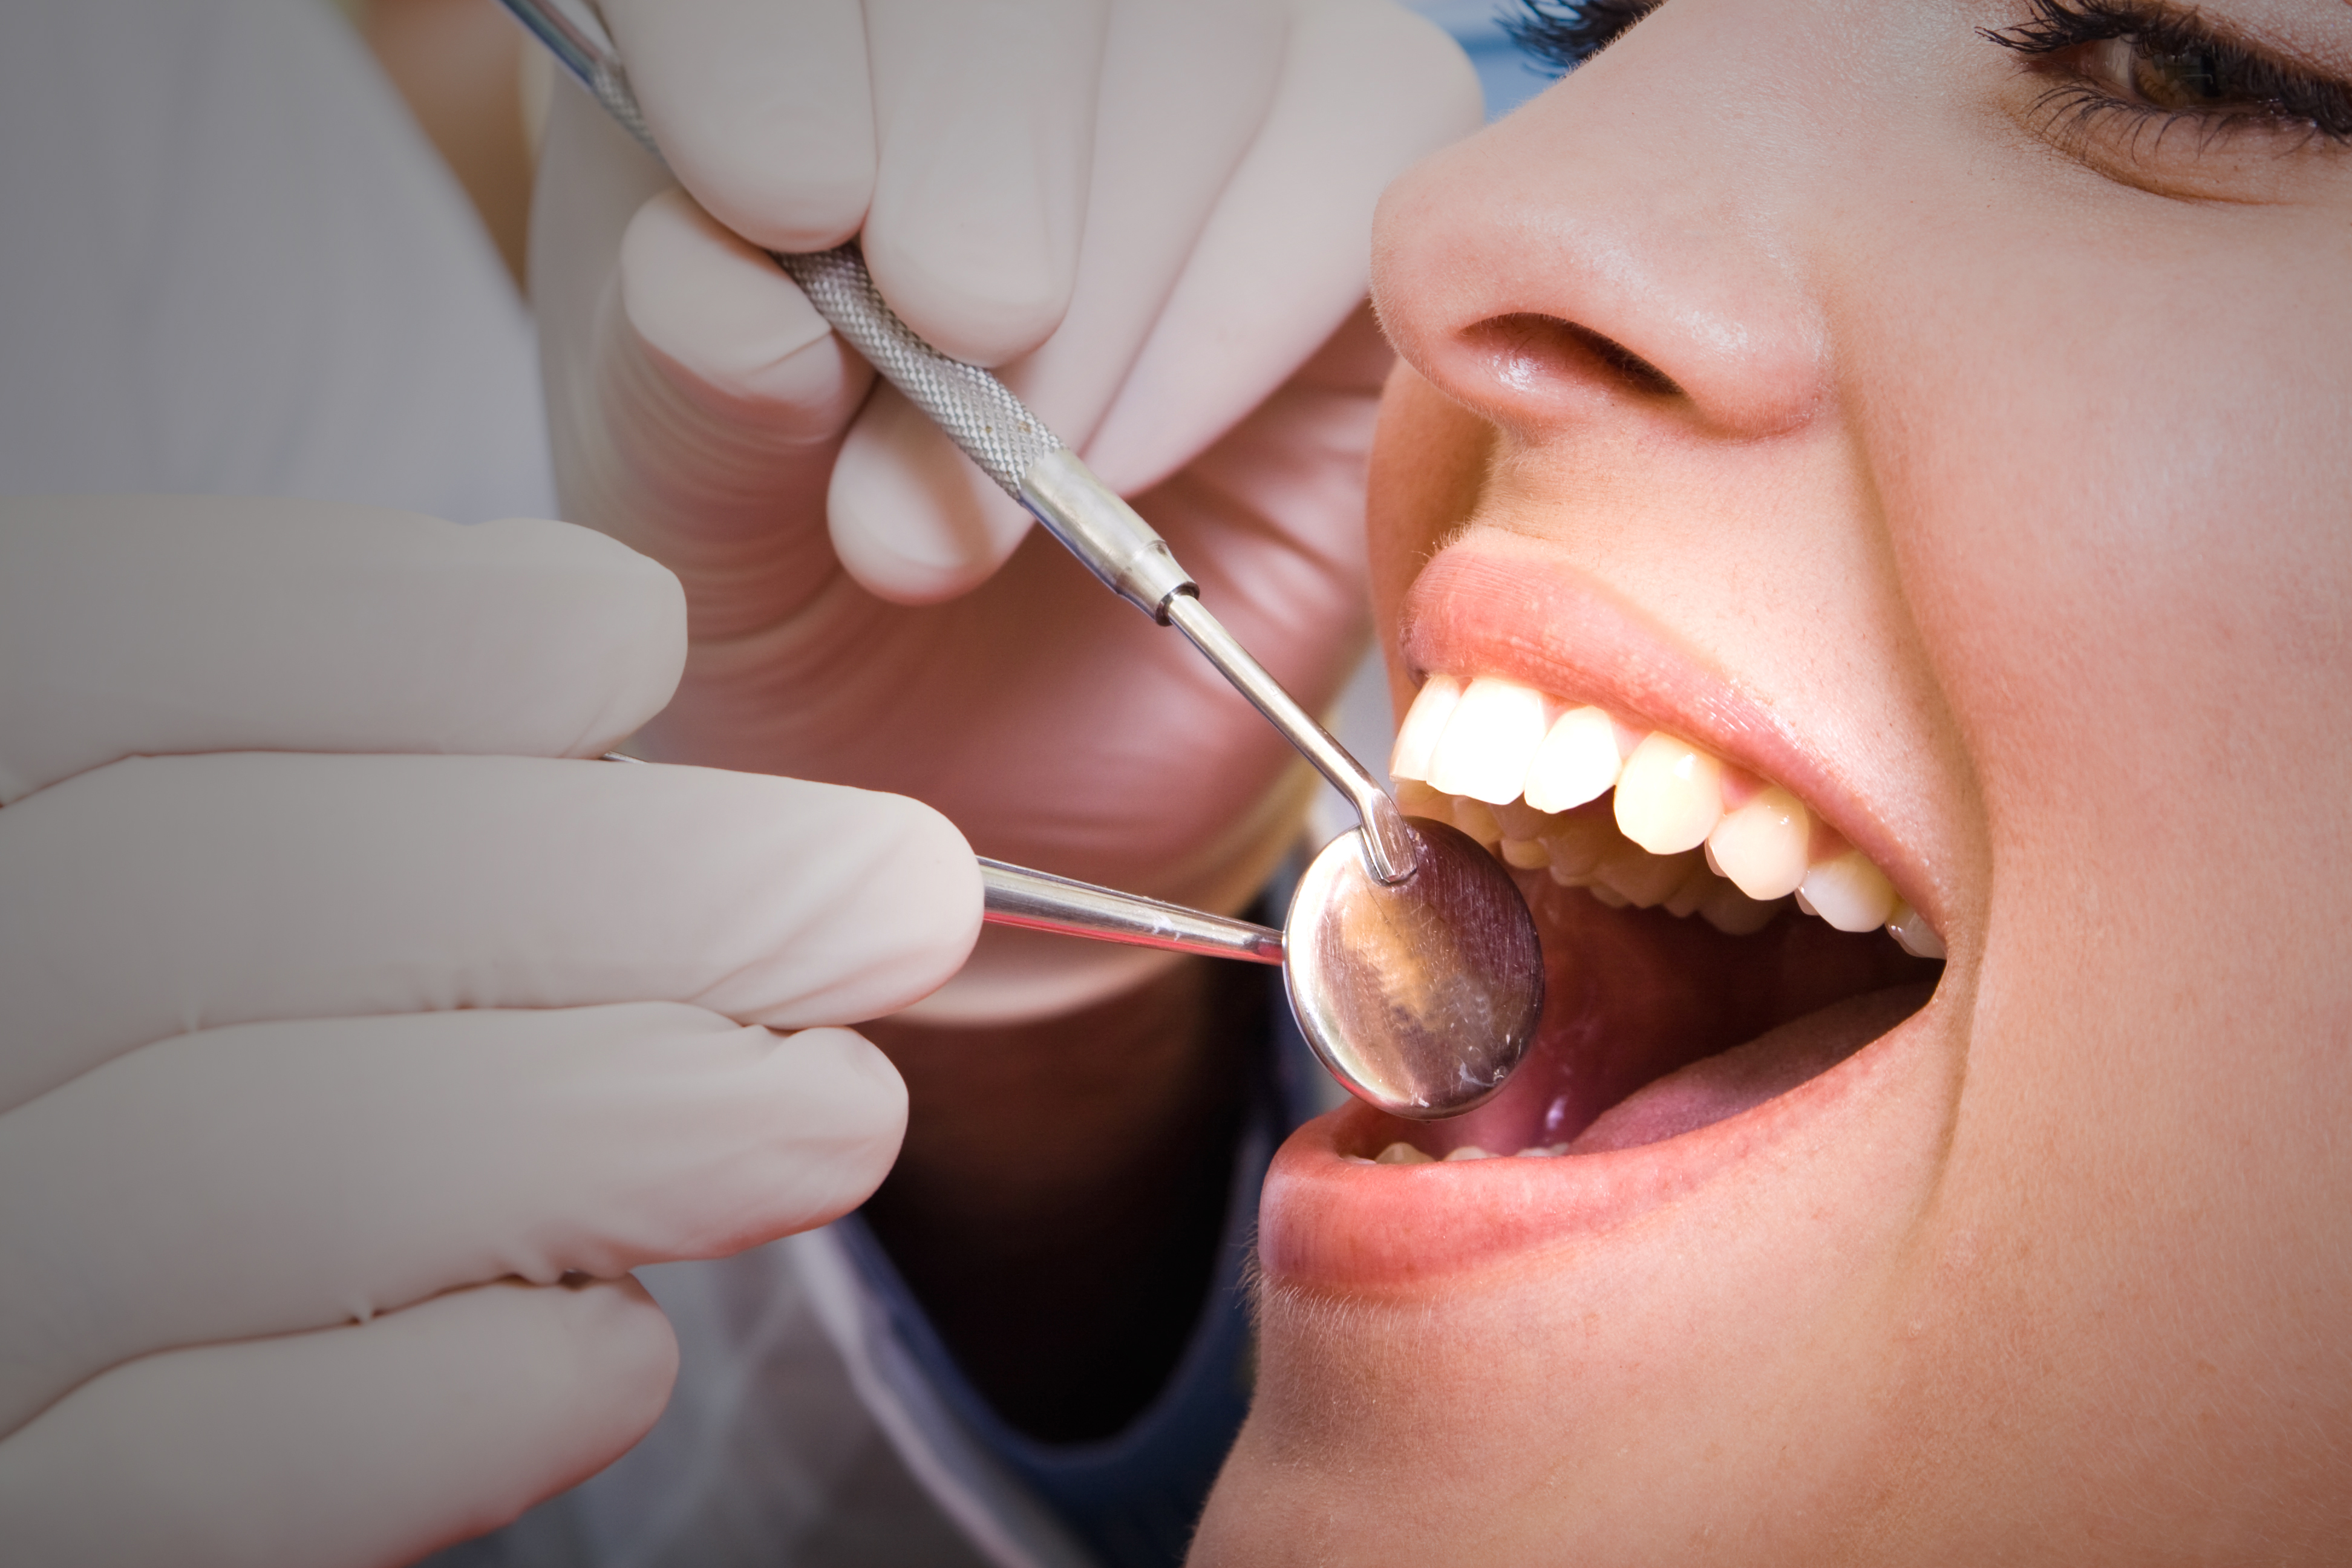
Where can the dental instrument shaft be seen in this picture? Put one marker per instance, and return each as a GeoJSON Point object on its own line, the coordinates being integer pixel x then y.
{"type": "Point", "coordinates": [1032, 900]}
{"type": "Point", "coordinates": [1013, 446]}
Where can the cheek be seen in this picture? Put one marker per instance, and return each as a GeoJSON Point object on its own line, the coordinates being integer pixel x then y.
{"type": "Point", "coordinates": [2121, 526]}
{"type": "Point", "coordinates": [2122, 521]}
{"type": "Point", "coordinates": [1429, 462]}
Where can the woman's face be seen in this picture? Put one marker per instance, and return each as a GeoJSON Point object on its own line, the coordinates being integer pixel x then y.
{"type": "Point", "coordinates": [1960, 438]}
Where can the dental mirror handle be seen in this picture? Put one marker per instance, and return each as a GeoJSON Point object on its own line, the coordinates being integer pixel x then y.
{"type": "Point", "coordinates": [1012, 445]}
{"type": "Point", "coordinates": [1036, 902]}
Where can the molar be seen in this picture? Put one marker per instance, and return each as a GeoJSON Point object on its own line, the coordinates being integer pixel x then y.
{"type": "Point", "coordinates": [1402, 1153]}
{"type": "Point", "coordinates": [1488, 741]}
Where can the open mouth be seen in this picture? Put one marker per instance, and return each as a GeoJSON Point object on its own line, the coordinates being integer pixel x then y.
{"type": "Point", "coordinates": [1740, 921]}
{"type": "Point", "coordinates": [1709, 942]}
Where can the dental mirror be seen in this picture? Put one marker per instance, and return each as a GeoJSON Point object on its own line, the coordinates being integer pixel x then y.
{"type": "Point", "coordinates": [1419, 995]}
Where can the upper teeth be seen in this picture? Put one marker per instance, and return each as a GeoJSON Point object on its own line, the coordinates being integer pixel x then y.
{"type": "Point", "coordinates": [1503, 762]}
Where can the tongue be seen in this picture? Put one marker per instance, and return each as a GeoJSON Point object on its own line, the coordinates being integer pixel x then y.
{"type": "Point", "coordinates": [1728, 1082]}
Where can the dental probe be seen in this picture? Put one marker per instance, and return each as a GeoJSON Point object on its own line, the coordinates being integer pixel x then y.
{"type": "Point", "coordinates": [1013, 446]}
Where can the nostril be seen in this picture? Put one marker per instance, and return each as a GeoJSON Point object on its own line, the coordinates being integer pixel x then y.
{"type": "Point", "coordinates": [1524, 351]}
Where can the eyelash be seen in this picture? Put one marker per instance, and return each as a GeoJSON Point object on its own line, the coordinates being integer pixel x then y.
{"type": "Point", "coordinates": [1564, 34]}
{"type": "Point", "coordinates": [2250, 90]}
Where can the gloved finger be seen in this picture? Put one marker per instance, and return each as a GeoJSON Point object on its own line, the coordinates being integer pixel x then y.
{"type": "Point", "coordinates": [162, 896]}
{"type": "Point", "coordinates": [1367, 89]}
{"type": "Point", "coordinates": [985, 123]}
{"type": "Point", "coordinates": [763, 109]}
{"type": "Point", "coordinates": [152, 624]}
{"type": "Point", "coordinates": [1185, 90]}
{"type": "Point", "coordinates": [351, 1448]}
{"type": "Point", "coordinates": [276, 1177]}
{"type": "Point", "coordinates": [706, 335]}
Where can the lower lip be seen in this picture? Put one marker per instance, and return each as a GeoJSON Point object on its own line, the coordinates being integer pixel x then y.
{"type": "Point", "coordinates": [1335, 1222]}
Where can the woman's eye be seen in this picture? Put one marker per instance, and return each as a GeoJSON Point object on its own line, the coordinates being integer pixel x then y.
{"type": "Point", "coordinates": [2155, 65]}
{"type": "Point", "coordinates": [2192, 79]}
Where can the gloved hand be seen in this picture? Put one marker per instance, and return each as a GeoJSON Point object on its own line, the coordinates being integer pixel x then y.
{"type": "Point", "coordinates": [1155, 218]}
{"type": "Point", "coordinates": [340, 1088]}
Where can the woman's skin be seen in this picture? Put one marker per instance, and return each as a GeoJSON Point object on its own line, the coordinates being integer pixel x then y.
{"type": "Point", "coordinates": [1984, 473]}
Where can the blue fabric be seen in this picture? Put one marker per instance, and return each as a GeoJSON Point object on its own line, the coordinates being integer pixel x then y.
{"type": "Point", "coordinates": [1508, 77]}
{"type": "Point", "coordinates": [1134, 1499]}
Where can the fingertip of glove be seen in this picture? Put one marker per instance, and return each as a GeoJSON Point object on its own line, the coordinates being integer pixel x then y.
{"type": "Point", "coordinates": [612, 618]}
{"type": "Point", "coordinates": [837, 1074]}
{"type": "Point", "coordinates": [920, 892]}
{"type": "Point", "coordinates": [582, 1368]}
{"type": "Point", "coordinates": [988, 304]}
{"type": "Point", "coordinates": [911, 520]}
{"type": "Point", "coordinates": [715, 311]}
{"type": "Point", "coordinates": [617, 1333]}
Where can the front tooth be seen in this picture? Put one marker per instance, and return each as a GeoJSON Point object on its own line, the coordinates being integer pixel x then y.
{"type": "Point", "coordinates": [1849, 892]}
{"type": "Point", "coordinates": [1468, 1152]}
{"type": "Point", "coordinates": [1906, 926]}
{"type": "Point", "coordinates": [1670, 795]}
{"type": "Point", "coordinates": [1433, 705]}
{"type": "Point", "coordinates": [1577, 762]}
{"type": "Point", "coordinates": [1488, 741]}
{"type": "Point", "coordinates": [1761, 847]}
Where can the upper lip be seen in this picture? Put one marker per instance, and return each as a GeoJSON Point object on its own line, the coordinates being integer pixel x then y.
{"type": "Point", "coordinates": [1498, 604]}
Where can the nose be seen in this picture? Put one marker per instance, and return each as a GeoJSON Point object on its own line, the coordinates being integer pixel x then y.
{"type": "Point", "coordinates": [1615, 249]}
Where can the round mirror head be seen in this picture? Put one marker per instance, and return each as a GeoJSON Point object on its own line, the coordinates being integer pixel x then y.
{"type": "Point", "coordinates": [1422, 996]}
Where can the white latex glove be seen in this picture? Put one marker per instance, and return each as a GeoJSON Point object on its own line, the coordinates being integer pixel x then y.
{"type": "Point", "coordinates": [1156, 218]}
{"type": "Point", "coordinates": [340, 1088]}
